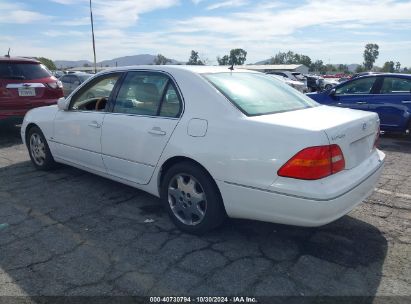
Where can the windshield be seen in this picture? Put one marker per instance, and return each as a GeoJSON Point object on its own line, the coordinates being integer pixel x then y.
{"type": "Point", "coordinates": [259, 94]}
{"type": "Point", "coordinates": [23, 71]}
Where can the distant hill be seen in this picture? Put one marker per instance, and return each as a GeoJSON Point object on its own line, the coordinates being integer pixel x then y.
{"type": "Point", "coordinates": [121, 61]}
{"type": "Point", "coordinates": [71, 63]}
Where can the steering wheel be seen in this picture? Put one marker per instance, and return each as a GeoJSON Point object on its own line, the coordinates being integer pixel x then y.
{"type": "Point", "coordinates": [99, 102]}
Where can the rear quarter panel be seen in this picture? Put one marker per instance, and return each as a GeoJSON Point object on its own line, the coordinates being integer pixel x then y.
{"type": "Point", "coordinates": [236, 148]}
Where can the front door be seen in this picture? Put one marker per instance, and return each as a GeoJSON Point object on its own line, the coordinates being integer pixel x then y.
{"type": "Point", "coordinates": [135, 133]}
{"type": "Point", "coordinates": [77, 132]}
{"type": "Point", "coordinates": [355, 94]}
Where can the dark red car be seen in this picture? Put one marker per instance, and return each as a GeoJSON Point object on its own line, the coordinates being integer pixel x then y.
{"type": "Point", "coordinates": [25, 84]}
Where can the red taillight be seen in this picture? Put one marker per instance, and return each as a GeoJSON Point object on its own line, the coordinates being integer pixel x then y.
{"type": "Point", "coordinates": [314, 163]}
{"type": "Point", "coordinates": [55, 85]}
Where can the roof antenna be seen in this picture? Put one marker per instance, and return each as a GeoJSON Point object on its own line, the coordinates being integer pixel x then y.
{"type": "Point", "coordinates": [231, 68]}
{"type": "Point", "coordinates": [8, 54]}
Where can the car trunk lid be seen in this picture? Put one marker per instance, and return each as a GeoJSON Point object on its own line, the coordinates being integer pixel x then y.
{"type": "Point", "coordinates": [353, 130]}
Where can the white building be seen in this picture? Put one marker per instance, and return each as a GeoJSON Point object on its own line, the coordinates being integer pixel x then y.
{"type": "Point", "coordinates": [301, 68]}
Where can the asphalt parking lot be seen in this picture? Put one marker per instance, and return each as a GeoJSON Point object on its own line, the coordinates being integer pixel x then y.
{"type": "Point", "coordinates": [68, 232]}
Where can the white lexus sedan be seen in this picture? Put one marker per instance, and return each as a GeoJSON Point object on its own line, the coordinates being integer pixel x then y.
{"type": "Point", "coordinates": [212, 142]}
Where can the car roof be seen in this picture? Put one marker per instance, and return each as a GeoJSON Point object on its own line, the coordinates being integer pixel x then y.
{"type": "Point", "coordinates": [196, 69]}
{"type": "Point", "coordinates": [18, 59]}
{"type": "Point", "coordinates": [385, 74]}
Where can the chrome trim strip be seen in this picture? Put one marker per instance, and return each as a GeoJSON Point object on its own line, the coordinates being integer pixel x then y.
{"type": "Point", "coordinates": [25, 85]}
{"type": "Point", "coordinates": [304, 197]}
{"type": "Point", "coordinates": [102, 154]}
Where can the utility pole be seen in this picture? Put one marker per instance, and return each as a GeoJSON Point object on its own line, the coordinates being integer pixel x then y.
{"type": "Point", "coordinates": [92, 34]}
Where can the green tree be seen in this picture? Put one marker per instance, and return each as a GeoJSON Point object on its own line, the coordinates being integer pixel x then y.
{"type": "Point", "coordinates": [370, 55]}
{"type": "Point", "coordinates": [161, 60]}
{"type": "Point", "coordinates": [306, 60]}
{"type": "Point", "coordinates": [398, 66]}
{"type": "Point", "coordinates": [194, 59]}
{"type": "Point", "coordinates": [359, 69]}
{"type": "Point", "coordinates": [330, 68]}
{"type": "Point", "coordinates": [388, 67]}
{"type": "Point", "coordinates": [290, 58]}
{"type": "Point", "coordinates": [236, 57]}
{"type": "Point", "coordinates": [225, 60]}
{"type": "Point", "coordinates": [47, 62]}
{"type": "Point", "coordinates": [343, 68]}
{"type": "Point", "coordinates": [318, 66]}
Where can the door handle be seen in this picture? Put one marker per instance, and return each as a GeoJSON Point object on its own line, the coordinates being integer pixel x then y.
{"type": "Point", "coordinates": [406, 101]}
{"type": "Point", "coordinates": [157, 131]}
{"type": "Point", "coordinates": [94, 124]}
{"type": "Point", "coordinates": [361, 102]}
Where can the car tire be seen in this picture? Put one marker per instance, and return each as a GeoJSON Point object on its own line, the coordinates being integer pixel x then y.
{"type": "Point", "coordinates": [39, 150]}
{"type": "Point", "coordinates": [192, 198]}
{"type": "Point", "coordinates": [328, 86]}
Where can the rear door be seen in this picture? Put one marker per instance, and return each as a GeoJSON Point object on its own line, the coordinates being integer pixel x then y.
{"type": "Point", "coordinates": [135, 133]}
{"type": "Point", "coordinates": [393, 103]}
{"type": "Point", "coordinates": [355, 94]}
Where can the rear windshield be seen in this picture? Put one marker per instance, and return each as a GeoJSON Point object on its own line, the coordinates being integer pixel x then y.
{"type": "Point", "coordinates": [259, 94]}
{"type": "Point", "coordinates": [23, 71]}
{"type": "Point", "coordinates": [84, 77]}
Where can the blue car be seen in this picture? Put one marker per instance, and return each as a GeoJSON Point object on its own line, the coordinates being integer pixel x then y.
{"type": "Point", "coordinates": [389, 95]}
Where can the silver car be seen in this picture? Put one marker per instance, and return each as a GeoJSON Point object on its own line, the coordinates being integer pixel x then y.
{"type": "Point", "coordinates": [72, 81]}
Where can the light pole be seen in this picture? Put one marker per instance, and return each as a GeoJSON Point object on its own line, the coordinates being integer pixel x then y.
{"type": "Point", "coordinates": [92, 34]}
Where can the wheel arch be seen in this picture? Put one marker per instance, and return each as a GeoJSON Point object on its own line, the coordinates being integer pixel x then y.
{"type": "Point", "coordinates": [177, 159]}
{"type": "Point", "coordinates": [27, 130]}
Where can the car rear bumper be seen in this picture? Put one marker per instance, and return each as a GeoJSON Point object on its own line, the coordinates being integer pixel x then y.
{"type": "Point", "coordinates": [265, 205]}
{"type": "Point", "coordinates": [9, 112]}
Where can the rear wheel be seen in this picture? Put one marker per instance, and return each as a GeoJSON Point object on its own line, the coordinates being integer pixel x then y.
{"type": "Point", "coordinates": [192, 198]}
{"type": "Point", "coordinates": [39, 151]}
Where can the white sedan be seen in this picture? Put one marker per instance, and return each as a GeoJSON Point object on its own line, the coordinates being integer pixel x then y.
{"type": "Point", "coordinates": [212, 142]}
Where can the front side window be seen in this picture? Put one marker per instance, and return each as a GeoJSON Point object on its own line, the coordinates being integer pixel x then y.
{"type": "Point", "coordinates": [394, 85]}
{"type": "Point", "coordinates": [259, 94]}
{"type": "Point", "coordinates": [358, 86]}
{"type": "Point", "coordinates": [141, 93]}
{"type": "Point", "coordinates": [95, 95]}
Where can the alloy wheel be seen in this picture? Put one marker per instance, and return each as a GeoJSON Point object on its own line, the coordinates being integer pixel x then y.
{"type": "Point", "coordinates": [38, 149]}
{"type": "Point", "coordinates": [187, 199]}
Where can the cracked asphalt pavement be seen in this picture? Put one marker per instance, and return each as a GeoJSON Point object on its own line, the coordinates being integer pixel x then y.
{"type": "Point", "coordinates": [68, 232]}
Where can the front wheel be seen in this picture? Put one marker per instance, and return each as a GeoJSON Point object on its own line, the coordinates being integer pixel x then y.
{"type": "Point", "coordinates": [39, 150]}
{"type": "Point", "coordinates": [192, 198]}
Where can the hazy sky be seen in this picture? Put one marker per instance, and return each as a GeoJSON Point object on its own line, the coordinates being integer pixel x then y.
{"type": "Point", "coordinates": [332, 30]}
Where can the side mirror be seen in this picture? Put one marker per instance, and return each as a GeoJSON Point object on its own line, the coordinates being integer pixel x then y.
{"type": "Point", "coordinates": [62, 104]}
{"type": "Point", "coordinates": [332, 92]}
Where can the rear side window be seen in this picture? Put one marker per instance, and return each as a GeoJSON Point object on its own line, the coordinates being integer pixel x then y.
{"type": "Point", "coordinates": [358, 86]}
{"type": "Point", "coordinates": [259, 94]}
{"type": "Point", "coordinates": [394, 85]}
{"type": "Point", "coordinates": [23, 71]}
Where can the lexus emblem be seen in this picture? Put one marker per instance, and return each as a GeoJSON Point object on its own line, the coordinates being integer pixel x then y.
{"type": "Point", "coordinates": [364, 126]}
